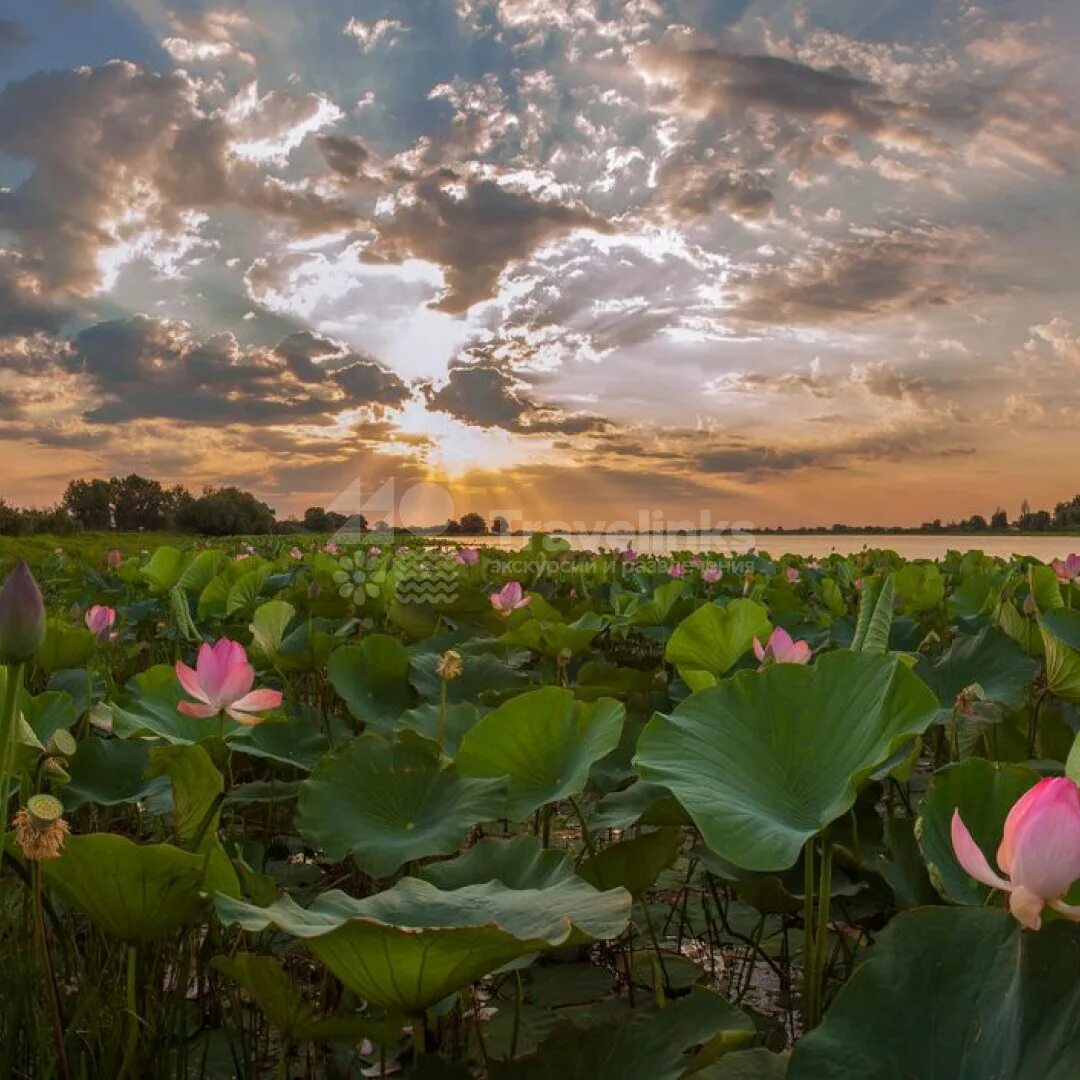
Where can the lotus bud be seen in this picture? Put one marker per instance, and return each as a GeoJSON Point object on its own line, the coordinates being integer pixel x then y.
{"type": "Point", "coordinates": [22, 616]}
{"type": "Point", "coordinates": [40, 828]}
{"type": "Point", "coordinates": [450, 665]}
{"type": "Point", "coordinates": [1031, 608]}
{"type": "Point", "coordinates": [114, 559]}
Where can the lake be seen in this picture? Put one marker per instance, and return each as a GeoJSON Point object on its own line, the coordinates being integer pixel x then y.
{"type": "Point", "coordinates": [935, 546]}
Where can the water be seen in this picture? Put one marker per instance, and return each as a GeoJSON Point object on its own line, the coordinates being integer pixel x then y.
{"type": "Point", "coordinates": [1044, 548]}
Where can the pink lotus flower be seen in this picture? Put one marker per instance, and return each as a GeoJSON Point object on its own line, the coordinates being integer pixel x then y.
{"type": "Point", "coordinates": [791, 574]}
{"type": "Point", "coordinates": [1067, 570]}
{"type": "Point", "coordinates": [1040, 851]}
{"type": "Point", "coordinates": [295, 553]}
{"type": "Point", "coordinates": [114, 559]}
{"type": "Point", "coordinates": [677, 570]}
{"type": "Point", "coordinates": [858, 584]}
{"type": "Point", "coordinates": [331, 548]}
{"type": "Point", "coordinates": [813, 565]}
{"type": "Point", "coordinates": [467, 556]}
{"type": "Point", "coordinates": [711, 574]}
{"type": "Point", "coordinates": [782, 648]}
{"type": "Point", "coordinates": [509, 598]}
{"type": "Point", "coordinates": [222, 681]}
{"type": "Point", "coordinates": [241, 556]}
{"type": "Point", "coordinates": [629, 555]}
{"type": "Point", "coordinates": [100, 621]}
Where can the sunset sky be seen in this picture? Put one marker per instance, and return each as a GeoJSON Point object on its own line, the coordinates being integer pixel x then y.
{"type": "Point", "coordinates": [784, 262]}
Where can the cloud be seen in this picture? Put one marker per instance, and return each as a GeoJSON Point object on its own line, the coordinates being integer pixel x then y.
{"type": "Point", "coordinates": [488, 397]}
{"type": "Point", "coordinates": [474, 229]}
{"type": "Point", "coordinates": [24, 308]}
{"type": "Point", "coordinates": [12, 35]}
{"type": "Point", "coordinates": [143, 367]}
{"type": "Point", "coordinates": [874, 273]}
{"type": "Point", "coordinates": [124, 161]}
{"type": "Point", "coordinates": [345, 155]}
{"type": "Point", "coordinates": [368, 35]}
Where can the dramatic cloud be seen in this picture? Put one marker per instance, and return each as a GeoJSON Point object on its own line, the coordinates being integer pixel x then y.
{"type": "Point", "coordinates": [148, 368]}
{"type": "Point", "coordinates": [473, 229]}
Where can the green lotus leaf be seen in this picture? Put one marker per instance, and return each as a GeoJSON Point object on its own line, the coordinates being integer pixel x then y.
{"type": "Point", "coordinates": [768, 758]}
{"type": "Point", "coordinates": [65, 646]}
{"type": "Point", "coordinates": [661, 1044]}
{"type": "Point", "coordinates": [639, 804]}
{"type": "Point", "coordinates": [920, 587]}
{"type": "Point", "coordinates": [706, 644]}
{"type": "Point", "coordinates": [269, 626]}
{"type": "Point", "coordinates": [269, 987]}
{"type": "Point", "coordinates": [1061, 641]}
{"type": "Point", "coordinates": [164, 569]}
{"type": "Point", "coordinates": [633, 864]}
{"type": "Point", "coordinates": [754, 1064]}
{"type": "Point", "coordinates": [486, 678]}
{"type": "Point", "coordinates": [295, 741]}
{"type": "Point", "coordinates": [958, 993]}
{"type": "Point", "coordinates": [372, 679]}
{"type": "Point", "coordinates": [388, 804]}
{"type": "Point", "coordinates": [1045, 587]}
{"type": "Point", "coordinates": [457, 720]}
{"type": "Point", "coordinates": [984, 793]}
{"type": "Point", "coordinates": [407, 948]}
{"type": "Point", "coordinates": [109, 772]}
{"type": "Point", "coordinates": [991, 659]}
{"type": "Point", "coordinates": [544, 742]}
{"type": "Point", "coordinates": [136, 892]}
{"type": "Point", "coordinates": [520, 862]}
{"type": "Point", "coordinates": [48, 712]}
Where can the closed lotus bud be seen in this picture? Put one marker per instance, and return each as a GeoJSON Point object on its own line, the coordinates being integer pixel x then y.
{"type": "Point", "coordinates": [450, 665]}
{"type": "Point", "coordinates": [22, 616]}
{"type": "Point", "coordinates": [1030, 607]}
{"type": "Point", "coordinates": [114, 558]}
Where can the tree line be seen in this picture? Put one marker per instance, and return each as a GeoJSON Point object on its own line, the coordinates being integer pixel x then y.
{"type": "Point", "coordinates": [137, 504]}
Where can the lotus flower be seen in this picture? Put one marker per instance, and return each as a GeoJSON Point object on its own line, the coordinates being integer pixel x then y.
{"type": "Point", "coordinates": [711, 574]}
{"type": "Point", "coordinates": [677, 570]}
{"type": "Point", "coordinates": [792, 574]}
{"type": "Point", "coordinates": [509, 598]}
{"type": "Point", "coordinates": [114, 559]}
{"type": "Point", "coordinates": [468, 556]}
{"type": "Point", "coordinates": [1067, 570]}
{"type": "Point", "coordinates": [100, 621]}
{"type": "Point", "coordinates": [331, 548]}
{"type": "Point", "coordinates": [1039, 852]}
{"type": "Point", "coordinates": [221, 681]}
{"type": "Point", "coordinates": [22, 616]}
{"type": "Point", "coordinates": [295, 553]}
{"type": "Point", "coordinates": [782, 648]}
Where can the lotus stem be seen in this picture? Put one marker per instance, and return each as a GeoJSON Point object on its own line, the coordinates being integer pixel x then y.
{"type": "Point", "coordinates": [9, 713]}
{"type": "Point", "coordinates": [47, 971]}
{"type": "Point", "coordinates": [131, 1042]}
{"type": "Point", "coordinates": [516, 1030]}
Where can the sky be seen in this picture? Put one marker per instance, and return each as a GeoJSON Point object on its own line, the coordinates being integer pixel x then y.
{"type": "Point", "coordinates": [579, 261]}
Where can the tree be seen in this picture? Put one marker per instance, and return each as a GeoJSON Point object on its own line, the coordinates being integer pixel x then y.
{"type": "Point", "coordinates": [139, 503]}
{"type": "Point", "coordinates": [1067, 514]}
{"type": "Point", "coordinates": [500, 526]}
{"type": "Point", "coordinates": [472, 524]}
{"type": "Point", "coordinates": [90, 503]}
{"type": "Point", "coordinates": [317, 519]}
{"type": "Point", "coordinates": [226, 511]}
{"type": "Point", "coordinates": [999, 519]}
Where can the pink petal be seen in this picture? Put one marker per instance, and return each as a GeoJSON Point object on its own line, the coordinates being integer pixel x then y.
{"type": "Point", "coordinates": [210, 670]}
{"type": "Point", "coordinates": [781, 641]}
{"type": "Point", "coordinates": [191, 708]}
{"type": "Point", "coordinates": [1069, 911]}
{"type": "Point", "coordinates": [525, 601]}
{"type": "Point", "coordinates": [247, 719]}
{"type": "Point", "coordinates": [1026, 907]}
{"type": "Point", "coordinates": [970, 857]}
{"type": "Point", "coordinates": [1045, 848]}
{"type": "Point", "coordinates": [237, 682]}
{"type": "Point", "coordinates": [257, 701]}
{"type": "Point", "coordinates": [189, 680]}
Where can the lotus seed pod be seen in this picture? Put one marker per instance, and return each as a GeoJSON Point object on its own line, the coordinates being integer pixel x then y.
{"type": "Point", "coordinates": [61, 744]}
{"type": "Point", "coordinates": [450, 665]}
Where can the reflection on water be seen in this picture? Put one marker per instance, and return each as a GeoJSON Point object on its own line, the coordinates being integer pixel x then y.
{"type": "Point", "coordinates": [909, 546]}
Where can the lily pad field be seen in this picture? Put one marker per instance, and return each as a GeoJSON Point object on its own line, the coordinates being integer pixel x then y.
{"type": "Point", "coordinates": [358, 810]}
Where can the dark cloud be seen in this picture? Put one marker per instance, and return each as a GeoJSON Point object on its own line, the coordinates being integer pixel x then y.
{"type": "Point", "coordinates": [24, 309]}
{"type": "Point", "coordinates": [875, 273]}
{"type": "Point", "coordinates": [345, 155]}
{"type": "Point", "coordinates": [144, 367]}
{"type": "Point", "coordinates": [12, 35]}
{"type": "Point", "coordinates": [473, 229]}
{"type": "Point", "coordinates": [489, 397]}
{"type": "Point", "coordinates": [117, 150]}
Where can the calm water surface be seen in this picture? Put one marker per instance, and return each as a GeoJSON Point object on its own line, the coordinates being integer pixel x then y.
{"type": "Point", "coordinates": [910, 547]}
